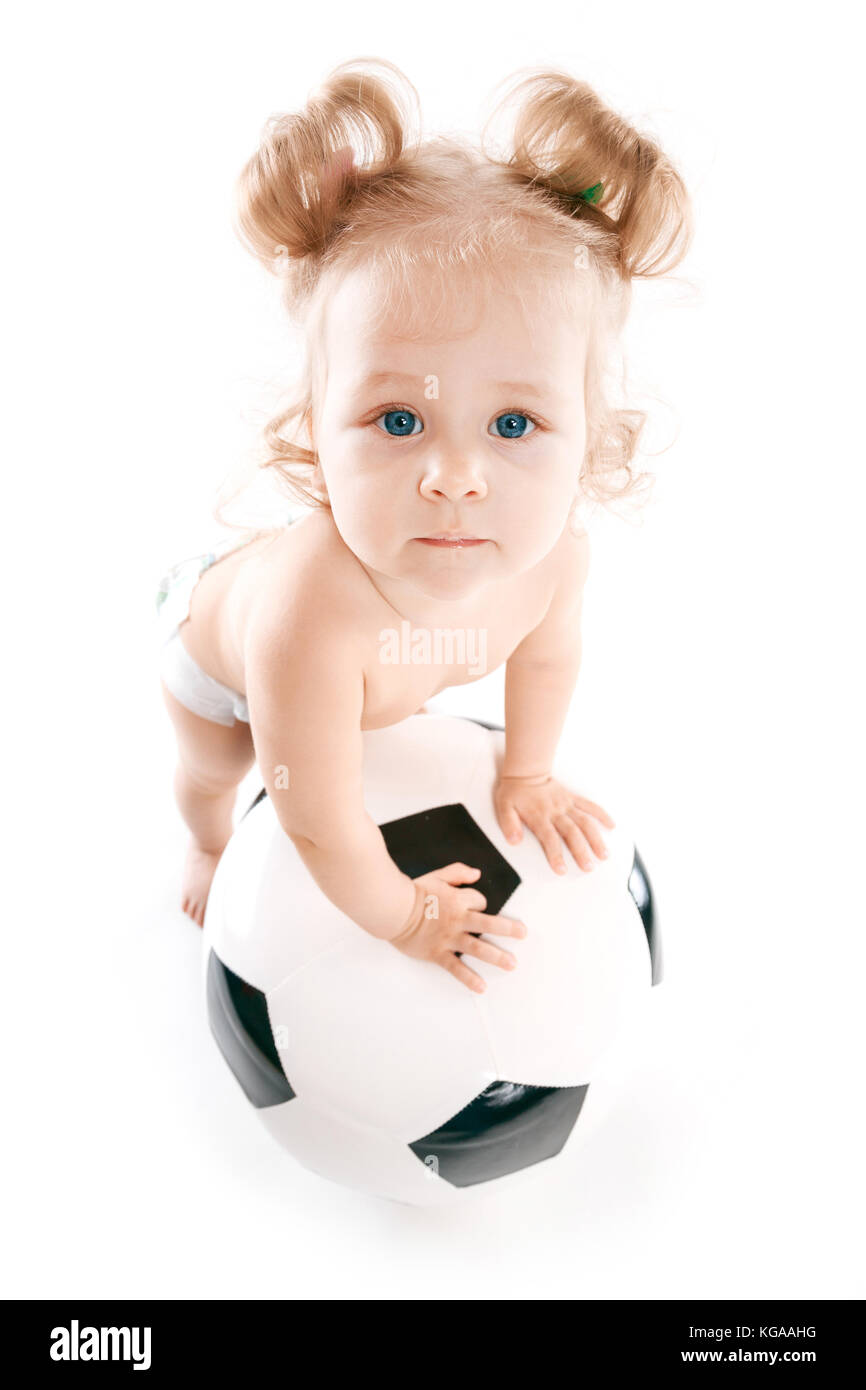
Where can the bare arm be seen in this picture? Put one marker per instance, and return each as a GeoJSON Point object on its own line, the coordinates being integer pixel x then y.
{"type": "Point", "coordinates": [541, 673]}
{"type": "Point", "coordinates": [305, 690]}
{"type": "Point", "coordinates": [537, 697]}
{"type": "Point", "coordinates": [539, 682]}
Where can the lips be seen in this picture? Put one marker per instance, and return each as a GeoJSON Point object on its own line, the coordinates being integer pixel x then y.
{"type": "Point", "coordinates": [453, 540]}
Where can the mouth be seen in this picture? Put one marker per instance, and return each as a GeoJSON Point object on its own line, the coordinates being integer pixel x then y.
{"type": "Point", "coordinates": [452, 540]}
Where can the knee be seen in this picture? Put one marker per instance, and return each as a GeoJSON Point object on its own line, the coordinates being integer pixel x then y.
{"type": "Point", "coordinates": [209, 782]}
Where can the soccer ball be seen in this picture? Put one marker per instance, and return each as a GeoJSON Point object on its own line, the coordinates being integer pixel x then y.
{"type": "Point", "coordinates": [383, 1072]}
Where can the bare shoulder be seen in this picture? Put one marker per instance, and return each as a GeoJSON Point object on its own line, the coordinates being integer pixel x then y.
{"type": "Point", "coordinates": [305, 589]}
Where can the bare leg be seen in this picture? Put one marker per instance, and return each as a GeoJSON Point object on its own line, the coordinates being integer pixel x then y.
{"type": "Point", "coordinates": [212, 760]}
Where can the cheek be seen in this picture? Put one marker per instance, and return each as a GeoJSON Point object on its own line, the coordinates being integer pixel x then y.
{"type": "Point", "coordinates": [352, 462]}
{"type": "Point", "coordinates": [540, 494]}
{"type": "Point", "coordinates": [365, 508]}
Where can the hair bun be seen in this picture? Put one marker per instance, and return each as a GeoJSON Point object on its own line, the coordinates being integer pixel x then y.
{"type": "Point", "coordinates": [295, 191]}
{"type": "Point", "coordinates": [567, 140]}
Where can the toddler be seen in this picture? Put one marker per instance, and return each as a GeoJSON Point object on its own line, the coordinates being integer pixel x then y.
{"type": "Point", "coordinates": [459, 307]}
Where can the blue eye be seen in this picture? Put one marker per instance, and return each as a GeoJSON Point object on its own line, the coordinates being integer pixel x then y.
{"type": "Point", "coordinates": [513, 425]}
{"type": "Point", "coordinates": [399, 422]}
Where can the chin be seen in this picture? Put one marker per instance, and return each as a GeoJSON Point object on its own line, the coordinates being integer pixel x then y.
{"type": "Point", "coordinates": [449, 586]}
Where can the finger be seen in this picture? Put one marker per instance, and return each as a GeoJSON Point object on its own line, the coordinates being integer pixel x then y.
{"type": "Point", "coordinates": [485, 950]}
{"type": "Point", "coordinates": [458, 873]}
{"type": "Point", "coordinates": [550, 843]}
{"type": "Point", "coordinates": [576, 841]}
{"type": "Point", "coordinates": [497, 926]}
{"type": "Point", "coordinates": [589, 829]}
{"type": "Point", "coordinates": [463, 973]}
{"type": "Point", "coordinates": [594, 810]}
{"type": "Point", "coordinates": [471, 900]}
{"type": "Point", "coordinates": [509, 823]}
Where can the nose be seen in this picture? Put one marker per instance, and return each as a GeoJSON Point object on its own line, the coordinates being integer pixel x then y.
{"type": "Point", "coordinates": [453, 476]}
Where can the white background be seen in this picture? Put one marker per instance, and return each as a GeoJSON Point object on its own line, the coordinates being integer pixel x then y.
{"type": "Point", "coordinates": [719, 706]}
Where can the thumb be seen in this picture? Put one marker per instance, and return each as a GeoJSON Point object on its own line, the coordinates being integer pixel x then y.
{"type": "Point", "coordinates": [459, 873]}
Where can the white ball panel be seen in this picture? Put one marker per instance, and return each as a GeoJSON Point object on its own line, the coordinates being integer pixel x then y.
{"type": "Point", "coordinates": [266, 915]}
{"type": "Point", "coordinates": [428, 760]}
{"type": "Point", "coordinates": [582, 963]}
{"type": "Point", "coordinates": [356, 1156]}
{"type": "Point", "coordinates": [380, 1038]}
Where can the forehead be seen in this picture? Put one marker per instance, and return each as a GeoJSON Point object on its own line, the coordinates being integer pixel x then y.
{"type": "Point", "coordinates": [503, 327]}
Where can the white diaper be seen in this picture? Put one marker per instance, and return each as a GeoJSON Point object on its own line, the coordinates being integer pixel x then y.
{"type": "Point", "coordinates": [197, 691]}
{"type": "Point", "coordinates": [182, 676]}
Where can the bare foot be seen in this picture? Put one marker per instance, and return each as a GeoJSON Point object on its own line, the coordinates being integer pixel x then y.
{"type": "Point", "coordinates": [198, 871]}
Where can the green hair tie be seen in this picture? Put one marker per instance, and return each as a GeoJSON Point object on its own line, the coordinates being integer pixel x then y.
{"type": "Point", "coordinates": [591, 195]}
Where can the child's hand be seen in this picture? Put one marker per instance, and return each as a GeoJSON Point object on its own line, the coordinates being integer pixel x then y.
{"type": "Point", "coordinates": [551, 810]}
{"type": "Point", "coordinates": [443, 920]}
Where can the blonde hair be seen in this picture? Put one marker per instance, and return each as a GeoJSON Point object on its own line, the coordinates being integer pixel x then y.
{"type": "Point", "coordinates": [348, 182]}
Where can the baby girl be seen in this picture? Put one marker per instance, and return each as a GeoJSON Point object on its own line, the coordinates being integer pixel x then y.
{"type": "Point", "coordinates": [458, 307]}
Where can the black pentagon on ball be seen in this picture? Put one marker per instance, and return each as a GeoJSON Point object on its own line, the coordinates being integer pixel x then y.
{"type": "Point", "coordinates": [641, 891]}
{"type": "Point", "coordinates": [238, 1017]}
{"type": "Point", "coordinates": [253, 804]}
{"type": "Point", "coordinates": [431, 839]}
{"type": "Point", "coordinates": [507, 1127]}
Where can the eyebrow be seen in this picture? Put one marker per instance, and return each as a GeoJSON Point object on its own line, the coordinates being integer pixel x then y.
{"type": "Point", "coordinates": [382, 379]}
{"type": "Point", "coordinates": [517, 388]}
